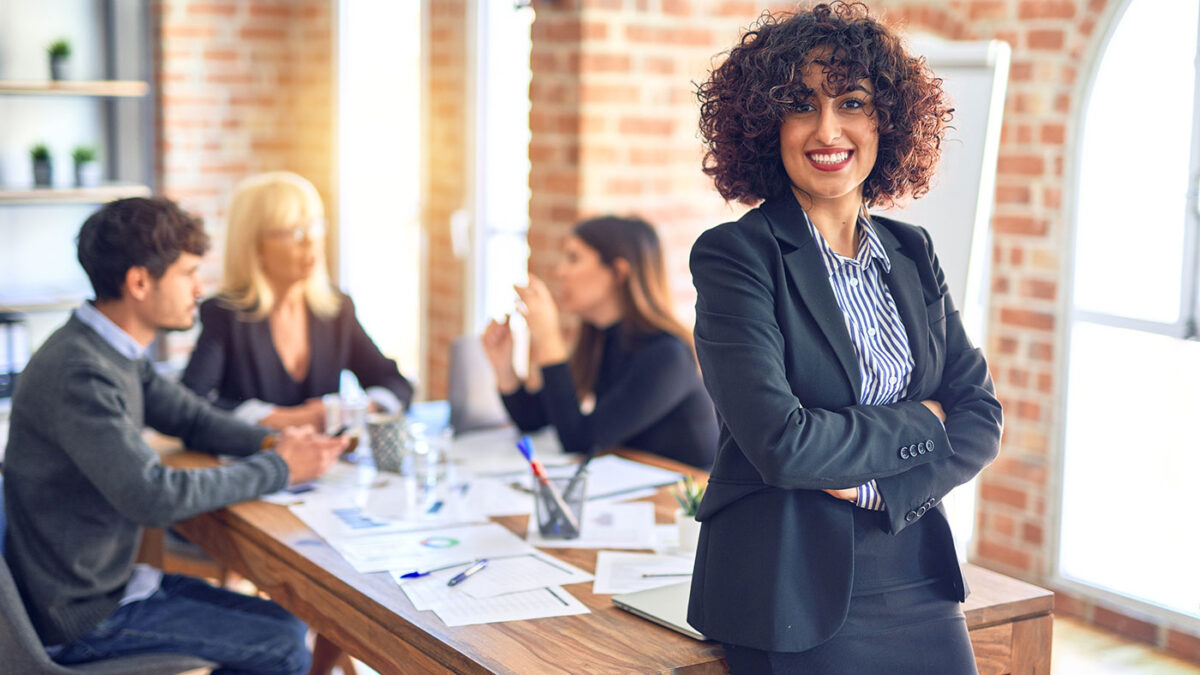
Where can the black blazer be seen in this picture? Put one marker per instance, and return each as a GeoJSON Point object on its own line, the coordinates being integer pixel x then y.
{"type": "Point", "coordinates": [774, 566]}
{"type": "Point", "coordinates": [235, 359]}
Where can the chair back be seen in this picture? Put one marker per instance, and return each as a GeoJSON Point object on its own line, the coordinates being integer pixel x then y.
{"type": "Point", "coordinates": [474, 400]}
{"type": "Point", "coordinates": [22, 652]}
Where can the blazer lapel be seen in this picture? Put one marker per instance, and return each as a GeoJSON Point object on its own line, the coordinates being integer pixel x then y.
{"type": "Point", "coordinates": [804, 266]}
{"type": "Point", "coordinates": [905, 284]}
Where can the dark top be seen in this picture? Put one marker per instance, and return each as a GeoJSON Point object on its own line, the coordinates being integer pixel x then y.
{"type": "Point", "coordinates": [235, 359]}
{"type": "Point", "coordinates": [648, 397]}
{"type": "Point", "coordinates": [777, 559]}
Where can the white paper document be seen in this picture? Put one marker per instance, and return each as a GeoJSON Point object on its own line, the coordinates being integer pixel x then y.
{"type": "Point", "coordinates": [619, 572]}
{"type": "Point", "coordinates": [609, 478]}
{"type": "Point", "coordinates": [428, 549]}
{"type": "Point", "coordinates": [463, 610]}
{"type": "Point", "coordinates": [503, 575]}
{"type": "Point", "coordinates": [522, 573]}
{"type": "Point", "coordinates": [494, 451]}
{"type": "Point", "coordinates": [342, 478]}
{"type": "Point", "coordinates": [605, 525]}
{"type": "Point", "coordinates": [456, 607]}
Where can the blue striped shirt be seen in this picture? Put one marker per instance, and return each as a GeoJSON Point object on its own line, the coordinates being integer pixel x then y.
{"type": "Point", "coordinates": [880, 342]}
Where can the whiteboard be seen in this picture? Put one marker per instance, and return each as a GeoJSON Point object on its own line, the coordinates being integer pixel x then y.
{"type": "Point", "coordinates": [957, 211]}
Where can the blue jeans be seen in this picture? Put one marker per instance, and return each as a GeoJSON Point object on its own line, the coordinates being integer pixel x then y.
{"type": "Point", "coordinates": [188, 616]}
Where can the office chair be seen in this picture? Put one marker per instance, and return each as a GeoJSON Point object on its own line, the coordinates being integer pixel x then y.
{"type": "Point", "coordinates": [474, 402]}
{"type": "Point", "coordinates": [23, 652]}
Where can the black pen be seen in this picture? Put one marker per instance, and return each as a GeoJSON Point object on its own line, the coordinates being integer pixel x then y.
{"type": "Point", "coordinates": [579, 471]}
{"type": "Point", "coordinates": [462, 576]}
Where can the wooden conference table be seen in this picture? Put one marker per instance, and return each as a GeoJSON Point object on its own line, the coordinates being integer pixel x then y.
{"type": "Point", "coordinates": [371, 618]}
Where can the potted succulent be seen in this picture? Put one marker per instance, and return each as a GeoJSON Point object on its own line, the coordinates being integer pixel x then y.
{"type": "Point", "coordinates": [40, 155]}
{"type": "Point", "coordinates": [689, 494]}
{"type": "Point", "coordinates": [59, 51]}
{"type": "Point", "coordinates": [87, 169]}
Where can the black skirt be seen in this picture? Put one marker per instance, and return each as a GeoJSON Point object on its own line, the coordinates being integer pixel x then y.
{"type": "Point", "coordinates": [903, 617]}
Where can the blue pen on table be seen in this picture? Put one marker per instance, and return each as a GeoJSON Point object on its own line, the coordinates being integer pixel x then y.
{"type": "Point", "coordinates": [416, 574]}
{"type": "Point", "coordinates": [462, 576]}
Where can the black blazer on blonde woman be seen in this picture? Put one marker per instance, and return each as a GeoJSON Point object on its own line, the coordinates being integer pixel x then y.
{"type": "Point", "coordinates": [774, 567]}
{"type": "Point", "coordinates": [235, 359]}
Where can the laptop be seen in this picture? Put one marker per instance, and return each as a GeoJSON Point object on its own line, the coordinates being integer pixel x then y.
{"type": "Point", "coordinates": [666, 606]}
{"type": "Point", "coordinates": [474, 401]}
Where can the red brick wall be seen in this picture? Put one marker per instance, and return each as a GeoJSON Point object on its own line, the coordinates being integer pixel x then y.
{"type": "Point", "coordinates": [614, 129]}
{"type": "Point", "coordinates": [447, 179]}
{"type": "Point", "coordinates": [244, 87]}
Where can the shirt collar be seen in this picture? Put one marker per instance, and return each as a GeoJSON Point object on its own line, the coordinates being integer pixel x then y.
{"type": "Point", "coordinates": [118, 339]}
{"type": "Point", "coordinates": [869, 247]}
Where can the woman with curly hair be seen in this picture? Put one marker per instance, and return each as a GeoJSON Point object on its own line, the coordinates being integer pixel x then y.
{"type": "Point", "coordinates": [850, 399]}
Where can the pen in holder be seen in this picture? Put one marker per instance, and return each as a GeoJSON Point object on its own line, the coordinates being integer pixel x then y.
{"type": "Point", "coordinates": [558, 505]}
{"type": "Point", "coordinates": [560, 520]}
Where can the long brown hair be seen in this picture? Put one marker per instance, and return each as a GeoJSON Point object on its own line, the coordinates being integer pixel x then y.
{"type": "Point", "coordinates": [644, 294]}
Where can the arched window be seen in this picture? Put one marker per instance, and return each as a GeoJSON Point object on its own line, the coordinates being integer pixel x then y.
{"type": "Point", "coordinates": [1131, 462]}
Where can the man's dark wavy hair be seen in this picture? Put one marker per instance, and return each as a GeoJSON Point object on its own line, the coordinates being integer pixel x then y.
{"type": "Point", "coordinates": [747, 97]}
{"type": "Point", "coordinates": [135, 232]}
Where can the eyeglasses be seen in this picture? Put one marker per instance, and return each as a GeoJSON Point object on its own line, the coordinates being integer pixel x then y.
{"type": "Point", "coordinates": [297, 234]}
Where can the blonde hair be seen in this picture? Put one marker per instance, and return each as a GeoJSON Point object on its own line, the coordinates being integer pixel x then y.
{"type": "Point", "coordinates": [261, 203]}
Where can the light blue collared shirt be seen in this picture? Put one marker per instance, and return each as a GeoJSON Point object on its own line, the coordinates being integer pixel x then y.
{"type": "Point", "coordinates": [119, 340]}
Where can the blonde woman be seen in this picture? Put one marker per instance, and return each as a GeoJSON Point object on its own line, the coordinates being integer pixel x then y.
{"type": "Point", "coordinates": [278, 334]}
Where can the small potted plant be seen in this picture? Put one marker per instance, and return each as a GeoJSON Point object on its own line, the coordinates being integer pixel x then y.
{"type": "Point", "coordinates": [689, 494]}
{"type": "Point", "coordinates": [87, 169]}
{"type": "Point", "coordinates": [40, 155]}
{"type": "Point", "coordinates": [59, 51]}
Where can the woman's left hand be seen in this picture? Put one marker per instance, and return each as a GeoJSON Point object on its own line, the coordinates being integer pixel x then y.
{"type": "Point", "coordinates": [848, 494]}
{"type": "Point", "coordinates": [541, 315]}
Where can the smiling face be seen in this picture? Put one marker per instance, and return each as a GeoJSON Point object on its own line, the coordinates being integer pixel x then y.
{"type": "Point", "coordinates": [829, 143]}
{"type": "Point", "coordinates": [587, 286]}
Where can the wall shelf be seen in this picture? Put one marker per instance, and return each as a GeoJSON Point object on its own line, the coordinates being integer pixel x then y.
{"type": "Point", "coordinates": [44, 304]}
{"type": "Point", "coordinates": [103, 88]}
{"type": "Point", "coordinates": [89, 195]}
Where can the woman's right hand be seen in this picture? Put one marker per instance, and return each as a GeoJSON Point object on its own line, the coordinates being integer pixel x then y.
{"type": "Point", "coordinates": [936, 409]}
{"type": "Point", "coordinates": [497, 342]}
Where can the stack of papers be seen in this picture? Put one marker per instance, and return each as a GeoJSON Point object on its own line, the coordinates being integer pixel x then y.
{"type": "Point", "coordinates": [430, 549]}
{"type": "Point", "coordinates": [606, 525]}
{"type": "Point", "coordinates": [510, 588]}
{"type": "Point", "coordinates": [618, 572]}
{"type": "Point", "coordinates": [384, 522]}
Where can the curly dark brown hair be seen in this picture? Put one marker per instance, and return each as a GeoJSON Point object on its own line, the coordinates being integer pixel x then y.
{"type": "Point", "coordinates": [747, 97]}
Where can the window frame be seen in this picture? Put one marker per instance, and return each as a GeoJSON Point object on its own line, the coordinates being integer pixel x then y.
{"type": "Point", "coordinates": [1184, 328]}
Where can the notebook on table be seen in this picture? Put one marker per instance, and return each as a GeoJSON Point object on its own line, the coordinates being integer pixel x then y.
{"type": "Point", "coordinates": [666, 606]}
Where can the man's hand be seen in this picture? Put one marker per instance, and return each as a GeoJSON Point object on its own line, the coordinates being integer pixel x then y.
{"type": "Point", "coordinates": [308, 454]}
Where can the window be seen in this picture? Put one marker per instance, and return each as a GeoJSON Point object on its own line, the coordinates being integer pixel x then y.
{"type": "Point", "coordinates": [500, 252]}
{"type": "Point", "coordinates": [1130, 461]}
{"type": "Point", "coordinates": [379, 172]}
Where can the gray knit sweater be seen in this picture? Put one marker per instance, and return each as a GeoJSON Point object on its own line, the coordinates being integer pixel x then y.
{"type": "Point", "coordinates": [79, 482]}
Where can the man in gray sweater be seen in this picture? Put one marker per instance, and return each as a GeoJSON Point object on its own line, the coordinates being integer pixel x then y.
{"type": "Point", "coordinates": [80, 483]}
